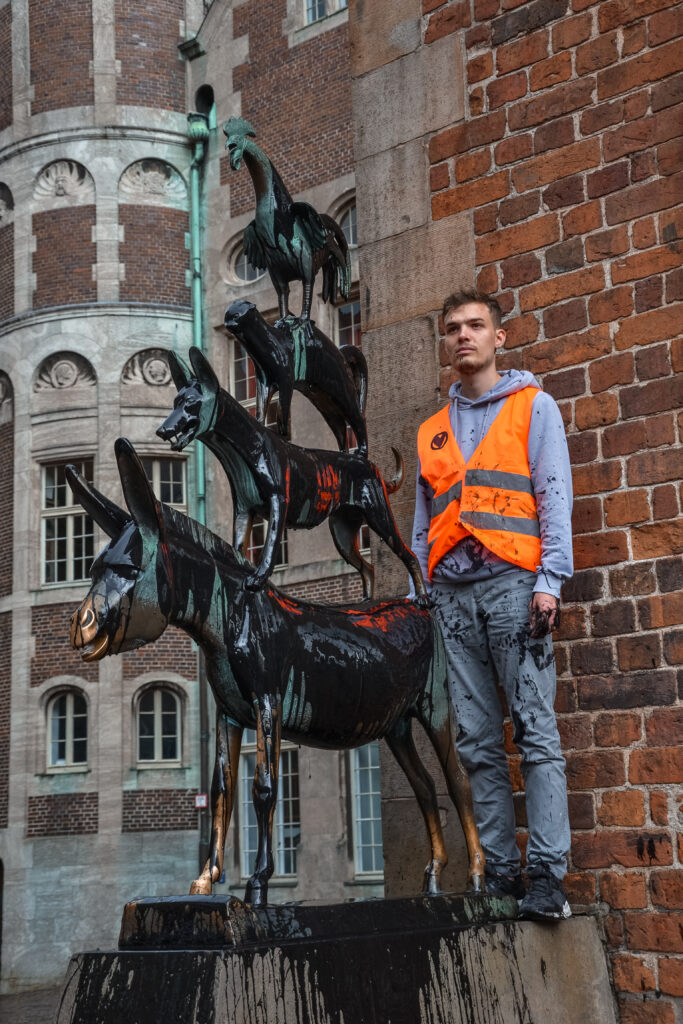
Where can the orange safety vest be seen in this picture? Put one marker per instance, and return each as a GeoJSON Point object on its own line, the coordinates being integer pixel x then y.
{"type": "Point", "coordinates": [491, 497]}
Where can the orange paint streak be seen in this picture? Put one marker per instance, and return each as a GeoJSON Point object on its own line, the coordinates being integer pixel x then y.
{"type": "Point", "coordinates": [288, 605]}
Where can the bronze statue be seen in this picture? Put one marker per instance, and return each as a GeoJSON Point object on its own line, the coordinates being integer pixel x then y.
{"type": "Point", "coordinates": [295, 354]}
{"type": "Point", "coordinates": [291, 486]}
{"type": "Point", "coordinates": [292, 241]}
{"type": "Point", "coordinates": [325, 676]}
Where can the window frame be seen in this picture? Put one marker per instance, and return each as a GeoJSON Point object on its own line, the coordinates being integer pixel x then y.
{"type": "Point", "coordinates": [69, 513]}
{"type": "Point", "coordinates": [237, 253]}
{"type": "Point", "coordinates": [246, 814]}
{"type": "Point", "coordinates": [69, 766]}
{"type": "Point", "coordinates": [156, 461]}
{"type": "Point", "coordinates": [330, 7]}
{"type": "Point", "coordinates": [375, 874]}
{"type": "Point", "coordinates": [158, 689]}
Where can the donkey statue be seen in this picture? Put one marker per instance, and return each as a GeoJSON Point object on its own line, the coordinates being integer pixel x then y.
{"type": "Point", "coordinates": [292, 486]}
{"type": "Point", "coordinates": [334, 677]}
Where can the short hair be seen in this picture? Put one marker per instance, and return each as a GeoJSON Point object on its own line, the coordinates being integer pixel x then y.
{"type": "Point", "coordinates": [465, 295]}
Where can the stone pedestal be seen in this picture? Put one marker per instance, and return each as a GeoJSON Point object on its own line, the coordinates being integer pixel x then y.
{"type": "Point", "coordinates": [428, 960]}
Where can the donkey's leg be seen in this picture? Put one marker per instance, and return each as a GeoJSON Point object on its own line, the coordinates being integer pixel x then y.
{"type": "Point", "coordinates": [223, 791]}
{"type": "Point", "coordinates": [442, 738]}
{"type": "Point", "coordinates": [401, 744]}
{"type": "Point", "coordinates": [345, 529]}
{"type": "Point", "coordinates": [264, 792]}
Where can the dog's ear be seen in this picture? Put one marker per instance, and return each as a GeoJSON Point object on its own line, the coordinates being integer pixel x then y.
{"type": "Point", "coordinates": [203, 370]}
{"type": "Point", "coordinates": [180, 371]}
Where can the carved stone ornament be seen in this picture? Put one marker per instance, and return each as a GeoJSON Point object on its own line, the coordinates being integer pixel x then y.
{"type": "Point", "coordinates": [148, 367]}
{"type": "Point", "coordinates": [153, 181]}
{"type": "Point", "coordinates": [66, 181]}
{"type": "Point", "coordinates": [64, 370]}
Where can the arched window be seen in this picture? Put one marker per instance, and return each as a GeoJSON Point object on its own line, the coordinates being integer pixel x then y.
{"type": "Point", "coordinates": [242, 269]}
{"type": "Point", "coordinates": [158, 727]}
{"type": "Point", "coordinates": [349, 225]}
{"type": "Point", "coordinates": [67, 717]}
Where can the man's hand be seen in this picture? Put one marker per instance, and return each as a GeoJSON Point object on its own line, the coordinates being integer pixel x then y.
{"type": "Point", "coordinates": [544, 615]}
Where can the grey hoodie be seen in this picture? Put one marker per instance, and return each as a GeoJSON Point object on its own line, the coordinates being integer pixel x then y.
{"type": "Point", "coordinates": [551, 477]}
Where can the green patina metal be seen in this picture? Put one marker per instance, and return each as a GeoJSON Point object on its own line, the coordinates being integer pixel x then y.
{"type": "Point", "coordinates": [198, 133]}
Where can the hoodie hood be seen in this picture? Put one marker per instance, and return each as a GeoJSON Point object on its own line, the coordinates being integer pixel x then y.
{"type": "Point", "coordinates": [510, 382]}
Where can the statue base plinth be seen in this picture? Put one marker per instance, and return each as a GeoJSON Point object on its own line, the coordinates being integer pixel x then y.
{"type": "Point", "coordinates": [428, 960]}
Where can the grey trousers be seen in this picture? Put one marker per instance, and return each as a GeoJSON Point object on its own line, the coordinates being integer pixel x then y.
{"type": "Point", "coordinates": [485, 626]}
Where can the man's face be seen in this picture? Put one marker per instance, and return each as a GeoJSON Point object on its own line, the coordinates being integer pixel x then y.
{"type": "Point", "coordinates": [472, 338]}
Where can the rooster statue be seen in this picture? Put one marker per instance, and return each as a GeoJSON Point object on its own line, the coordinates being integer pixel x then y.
{"type": "Point", "coordinates": [292, 241]}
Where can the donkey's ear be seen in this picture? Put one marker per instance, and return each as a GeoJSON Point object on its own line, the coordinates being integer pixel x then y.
{"type": "Point", "coordinates": [106, 514]}
{"type": "Point", "coordinates": [180, 371]}
{"type": "Point", "coordinates": [137, 490]}
{"type": "Point", "coordinates": [203, 369]}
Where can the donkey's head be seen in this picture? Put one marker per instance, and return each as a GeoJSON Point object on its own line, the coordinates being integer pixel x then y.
{"type": "Point", "coordinates": [130, 600]}
{"type": "Point", "coordinates": [195, 405]}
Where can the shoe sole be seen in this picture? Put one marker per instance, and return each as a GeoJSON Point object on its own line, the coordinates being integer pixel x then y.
{"type": "Point", "coordinates": [537, 915]}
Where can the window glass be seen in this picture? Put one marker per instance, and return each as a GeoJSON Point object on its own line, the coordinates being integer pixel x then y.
{"type": "Point", "coordinates": [349, 226]}
{"type": "Point", "coordinates": [243, 270]}
{"type": "Point", "coordinates": [167, 477]}
{"type": "Point", "coordinates": [367, 817]}
{"type": "Point", "coordinates": [158, 720]}
{"type": "Point", "coordinates": [259, 529]}
{"type": "Point", "coordinates": [315, 10]}
{"type": "Point", "coordinates": [287, 821]}
{"type": "Point", "coordinates": [68, 730]}
{"type": "Point", "coordinates": [67, 533]}
{"type": "Point", "coordinates": [348, 324]}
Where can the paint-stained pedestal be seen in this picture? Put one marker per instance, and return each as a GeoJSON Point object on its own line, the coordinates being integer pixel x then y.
{"type": "Point", "coordinates": [428, 960]}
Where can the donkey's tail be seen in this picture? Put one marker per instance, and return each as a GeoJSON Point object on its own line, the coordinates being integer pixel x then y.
{"type": "Point", "coordinates": [393, 485]}
{"type": "Point", "coordinates": [355, 360]}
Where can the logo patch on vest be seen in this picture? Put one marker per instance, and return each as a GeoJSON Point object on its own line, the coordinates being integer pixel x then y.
{"type": "Point", "coordinates": [439, 440]}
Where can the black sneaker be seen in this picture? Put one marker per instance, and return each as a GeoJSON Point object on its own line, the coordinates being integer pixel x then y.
{"type": "Point", "coordinates": [546, 900]}
{"type": "Point", "coordinates": [498, 884]}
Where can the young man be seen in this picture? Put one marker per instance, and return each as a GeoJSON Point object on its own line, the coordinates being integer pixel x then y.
{"type": "Point", "coordinates": [493, 535]}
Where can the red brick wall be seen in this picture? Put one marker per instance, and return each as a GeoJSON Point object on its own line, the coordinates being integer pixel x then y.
{"type": "Point", "coordinates": [158, 810]}
{"type": "Point", "coordinates": [567, 160]}
{"type": "Point", "coordinates": [61, 52]}
{"type": "Point", "coordinates": [306, 86]}
{"type": "Point", "coordinates": [6, 97]}
{"type": "Point", "coordinates": [154, 255]}
{"type": "Point", "coordinates": [6, 269]}
{"type": "Point", "coordinates": [64, 256]}
{"type": "Point", "coordinates": [147, 37]}
{"type": "Point", "coordinates": [5, 698]}
{"type": "Point", "coordinates": [54, 654]}
{"type": "Point", "coordinates": [62, 814]}
{"type": "Point", "coordinates": [6, 507]}
{"type": "Point", "coordinates": [329, 590]}
{"type": "Point", "coordinates": [172, 652]}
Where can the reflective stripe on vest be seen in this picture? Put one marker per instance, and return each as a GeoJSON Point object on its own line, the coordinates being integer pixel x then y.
{"type": "Point", "coordinates": [474, 495]}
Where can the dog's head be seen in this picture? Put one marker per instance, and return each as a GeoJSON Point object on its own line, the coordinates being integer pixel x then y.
{"type": "Point", "coordinates": [194, 408]}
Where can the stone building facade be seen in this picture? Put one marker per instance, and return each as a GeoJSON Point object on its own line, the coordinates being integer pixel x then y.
{"type": "Point", "coordinates": [100, 762]}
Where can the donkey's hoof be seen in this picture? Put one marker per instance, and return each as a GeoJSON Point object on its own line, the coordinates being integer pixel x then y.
{"type": "Point", "coordinates": [201, 887]}
{"type": "Point", "coordinates": [475, 883]}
